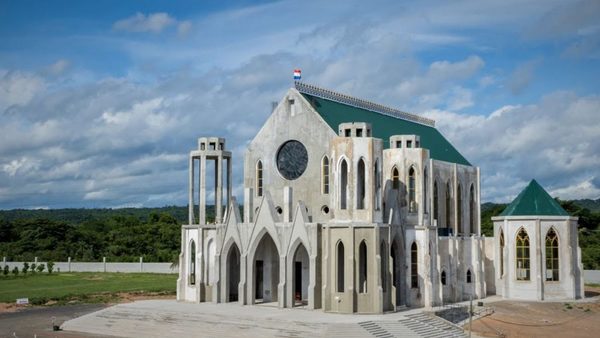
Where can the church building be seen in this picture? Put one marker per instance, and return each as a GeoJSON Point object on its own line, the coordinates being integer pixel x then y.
{"type": "Point", "coordinates": [351, 207]}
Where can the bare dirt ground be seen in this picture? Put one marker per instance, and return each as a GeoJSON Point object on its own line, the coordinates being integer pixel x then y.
{"type": "Point", "coordinates": [548, 319]}
{"type": "Point", "coordinates": [30, 321]}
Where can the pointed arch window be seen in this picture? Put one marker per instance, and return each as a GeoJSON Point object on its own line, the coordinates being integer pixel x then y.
{"type": "Point", "coordinates": [377, 184]}
{"type": "Point", "coordinates": [325, 175]}
{"type": "Point", "coordinates": [469, 276]}
{"type": "Point", "coordinates": [360, 184]}
{"type": "Point", "coordinates": [340, 267]}
{"type": "Point", "coordinates": [443, 277]}
{"type": "Point", "coordinates": [259, 178]}
{"type": "Point", "coordinates": [362, 267]}
{"type": "Point", "coordinates": [414, 267]}
{"type": "Point", "coordinates": [459, 208]}
{"type": "Point", "coordinates": [412, 204]}
{"type": "Point", "coordinates": [523, 263]}
{"type": "Point", "coordinates": [448, 205]}
{"type": "Point", "coordinates": [436, 211]}
{"type": "Point", "coordinates": [501, 253]}
{"type": "Point", "coordinates": [552, 256]}
{"type": "Point", "coordinates": [192, 272]}
{"type": "Point", "coordinates": [472, 210]}
{"type": "Point", "coordinates": [343, 184]}
{"type": "Point", "coordinates": [425, 190]}
{"type": "Point", "coordinates": [395, 178]}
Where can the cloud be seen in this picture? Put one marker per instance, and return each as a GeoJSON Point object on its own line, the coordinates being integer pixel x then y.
{"type": "Point", "coordinates": [522, 76]}
{"type": "Point", "coordinates": [58, 67]}
{"type": "Point", "coordinates": [18, 88]}
{"type": "Point", "coordinates": [140, 23]}
{"type": "Point", "coordinates": [184, 27]}
{"type": "Point", "coordinates": [554, 141]}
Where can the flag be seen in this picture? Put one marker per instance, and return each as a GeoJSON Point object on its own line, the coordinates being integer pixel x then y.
{"type": "Point", "coordinates": [297, 74]}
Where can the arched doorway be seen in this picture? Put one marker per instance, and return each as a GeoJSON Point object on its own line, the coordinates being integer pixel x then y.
{"type": "Point", "coordinates": [300, 276]}
{"type": "Point", "coordinates": [397, 263]}
{"type": "Point", "coordinates": [266, 271]}
{"type": "Point", "coordinates": [233, 273]}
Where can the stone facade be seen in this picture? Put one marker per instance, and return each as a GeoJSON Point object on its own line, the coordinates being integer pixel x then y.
{"type": "Point", "coordinates": [334, 219]}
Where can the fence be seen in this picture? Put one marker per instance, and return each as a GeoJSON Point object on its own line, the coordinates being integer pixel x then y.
{"type": "Point", "coordinates": [591, 276]}
{"type": "Point", "coordinates": [104, 266]}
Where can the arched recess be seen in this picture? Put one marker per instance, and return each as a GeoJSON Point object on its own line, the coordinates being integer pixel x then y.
{"type": "Point", "coordinates": [443, 277]}
{"type": "Point", "coordinates": [412, 193]}
{"type": "Point", "coordinates": [425, 190]}
{"type": "Point", "coordinates": [501, 253]}
{"type": "Point", "coordinates": [397, 255]}
{"type": "Point", "coordinates": [343, 184]}
{"type": "Point", "coordinates": [362, 267]}
{"type": "Point", "coordinates": [414, 266]}
{"type": "Point", "coordinates": [552, 256]}
{"type": "Point", "coordinates": [265, 270]}
{"type": "Point", "coordinates": [395, 178]}
{"type": "Point", "coordinates": [523, 255]}
{"type": "Point", "coordinates": [340, 269]}
{"type": "Point", "coordinates": [232, 273]}
{"type": "Point", "coordinates": [472, 210]}
{"type": "Point", "coordinates": [360, 184]}
{"type": "Point", "coordinates": [469, 277]}
{"type": "Point", "coordinates": [448, 205]}
{"type": "Point", "coordinates": [210, 266]}
{"type": "Point", "coordinates": [325, 175]}
{"type": "Point", "coordinates": [259, 178]}
{"type": "Point", "coordinates": [377, 181]}
{"type": "Point", "coordinates": [459, 226]}
{"type": "Point", "coordinates": [192, 263]}
{"type": "Point", "coordinates": [300, 275]}
{"type": "Point", "coordinates": [436, 209]}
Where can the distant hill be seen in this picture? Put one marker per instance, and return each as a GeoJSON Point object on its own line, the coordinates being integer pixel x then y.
{"type": "Point", "coordinates": [593, 205]}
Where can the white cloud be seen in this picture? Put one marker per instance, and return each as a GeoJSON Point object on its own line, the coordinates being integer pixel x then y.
{"type": "Point", "coordinates": [184, 27]}
{"type": "Point", "coordinates": [522, 76]}
{"type": "Point", "coordinates": [21, 166]}
{"type": "Point", "coordinates": [554, 140]}
{"type": "Point", "coordinates": [139, 23]}
{"type": "Point", "coordinates": [18, 88]}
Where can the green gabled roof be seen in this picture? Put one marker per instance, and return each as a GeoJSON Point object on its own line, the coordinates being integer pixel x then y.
{"type": "Point", "coordinates": [534, 201]}
{"type": "Point", "coordinates": [337, 108]}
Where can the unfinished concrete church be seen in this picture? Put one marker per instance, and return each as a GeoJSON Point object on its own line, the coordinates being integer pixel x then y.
{"type": "Point", "coordinates": [351, 206]}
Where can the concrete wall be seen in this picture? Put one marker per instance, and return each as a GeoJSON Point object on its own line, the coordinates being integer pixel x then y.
{"type": "Point", "coordinates": [101, 267]}
{"type": "Point", "coordinates": [591, 276]}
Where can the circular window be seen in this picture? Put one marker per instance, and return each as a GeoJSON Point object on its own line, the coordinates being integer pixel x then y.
{"type": "Point", "coordinates": [279, 210]}
{"type": "Point", "coordinates": [292, 160]}
{"type": "Point", "coordinates": [325, 209]}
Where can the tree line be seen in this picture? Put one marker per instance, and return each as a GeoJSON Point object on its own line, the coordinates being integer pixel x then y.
{"type": "Point", "coordinates": [123, 235]}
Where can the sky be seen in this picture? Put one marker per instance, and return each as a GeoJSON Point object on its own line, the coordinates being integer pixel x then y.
{"type": "Point", "coordinates": [101, 101]}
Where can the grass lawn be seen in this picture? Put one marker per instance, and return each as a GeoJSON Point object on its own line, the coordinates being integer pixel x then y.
{"type": "Point", "coordinates": [42, 287]}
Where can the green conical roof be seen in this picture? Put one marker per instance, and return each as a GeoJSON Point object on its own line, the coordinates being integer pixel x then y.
{"type": "Point", "coordinates": [534, 201]}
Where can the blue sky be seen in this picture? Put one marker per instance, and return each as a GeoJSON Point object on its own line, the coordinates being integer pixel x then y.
{"type": "Point", "coordinates": [101, 101]}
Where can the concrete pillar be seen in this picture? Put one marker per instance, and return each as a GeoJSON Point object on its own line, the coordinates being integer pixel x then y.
{"type": "Point", "coordinates": [287, 204]}
{"type": "Point", "coordinates": [228, 182]}
{"type": "Point", "coordinates": [478, 201]}
{"type": "Point", "coordinates": [141, 264]}
{"type": "Point", "coordinates": [248, 205]}
{"type": "Point", "coordinates": [457, 227]}
{"type": "Point", "coordinates": [540, 275]}
{"type": "Point", "coordinates": [104, 264]}
{"type": "Point", "coordinates": [191, 191]}
{"type": "Point", "coordinates": [219, 190]}
{"type": "Point", "coordinates": [69, 263]}
{"type": "Point", "coordinates": [202, 203]}
{"type": "Point", "coordinates": [4, 261]}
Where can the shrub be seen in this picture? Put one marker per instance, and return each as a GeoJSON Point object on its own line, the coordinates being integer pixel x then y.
{"type": "Point", "coordinates": [33, 267]}
{"type": "Point", "coordinates": [25, 267]}
{"type": "Point", "coordinates": [6, 270]}
{"type": "Point", "coordinates": [40, 268]}
{"type": "Point", "coordinates": [15, 271]}
{"type": "Point", "coordinates": [50, 266]}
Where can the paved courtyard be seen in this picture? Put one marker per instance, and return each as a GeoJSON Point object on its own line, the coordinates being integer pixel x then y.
{"type": "Point", "coordinates": [168, 318]}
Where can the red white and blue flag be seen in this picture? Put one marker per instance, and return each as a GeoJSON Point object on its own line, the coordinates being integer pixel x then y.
{"type": "Point", "coordinates": [297, 74]}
